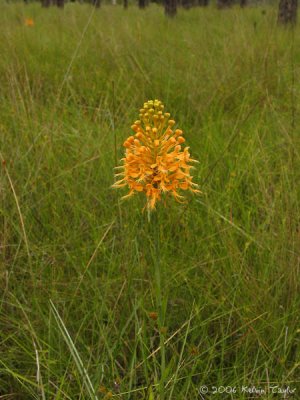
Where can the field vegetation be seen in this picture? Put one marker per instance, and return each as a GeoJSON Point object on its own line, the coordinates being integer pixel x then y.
{"type": "Point", "coordinates": [79, 296]}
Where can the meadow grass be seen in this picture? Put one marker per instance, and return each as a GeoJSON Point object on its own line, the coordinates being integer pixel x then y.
{"type": "Point", "coordinates": [78, 265]}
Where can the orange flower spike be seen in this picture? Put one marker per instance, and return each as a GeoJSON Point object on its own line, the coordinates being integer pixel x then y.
{"type": "Point", "coordinates": [153, 315]}
{"type": "Point", "coordinates": [154, 161]}
{"type": "Point", "coordinates": [29, 22]}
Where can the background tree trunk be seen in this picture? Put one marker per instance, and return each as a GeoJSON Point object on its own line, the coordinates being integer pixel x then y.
{"type": "Point", "coordinates": [287, 13]}
{"type": "Point", "coordinates": [187, 4]}
{"type": "Point", "coordinates": [170, 8]}
{"type": "Point", "coordinates": [60, 3]}
{"type": "Point", "coordinates": [125, 4]}
{"type": "Point", "coordinates": [142, 3]}
{"type": "Point", "coordinates": [96, 3]}
{"type": "Point", "coordinates": [203, 3]}
{"type": "Point", "coordinates": [224, 3]}
{"type": "Point", "coordinates": [243, 3]}
{"type": "Point", "coordinates": [46, 3]}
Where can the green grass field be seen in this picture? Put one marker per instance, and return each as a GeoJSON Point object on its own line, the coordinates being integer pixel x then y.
{"type": "Point", "coordinates": [78, 271]}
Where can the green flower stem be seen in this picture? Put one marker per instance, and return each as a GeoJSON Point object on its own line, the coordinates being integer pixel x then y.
{"type": "Point", "coordinates": [160, 299]}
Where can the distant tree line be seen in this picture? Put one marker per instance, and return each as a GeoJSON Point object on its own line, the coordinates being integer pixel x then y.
{"type": "Point", "coordinates": [61, 3]}
{"type": "Point", "coordinates": [287, 12]}
{"type": "Point", "coordinates": [170, 4]}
